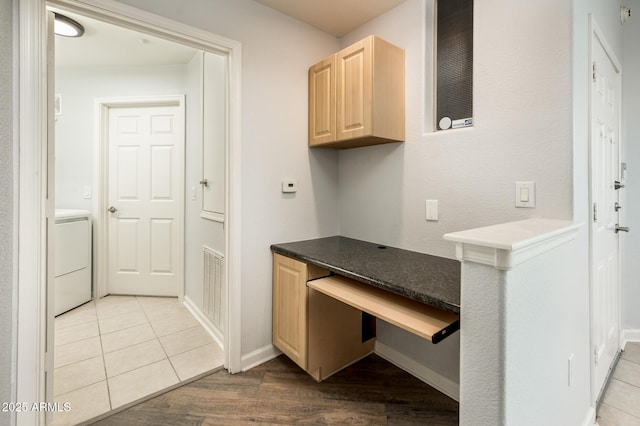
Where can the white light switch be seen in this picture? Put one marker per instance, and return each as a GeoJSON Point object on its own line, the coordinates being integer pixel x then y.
{"type": "Point", "coordinates": [86, 192]}
{"type": "Point", "coordinates": [432, 209]}
{"type": "Point", "coordinates": [526, 194]}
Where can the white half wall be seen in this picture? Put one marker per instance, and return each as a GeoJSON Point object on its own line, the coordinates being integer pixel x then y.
{"type": "Point", "coordinates": [525, 325]}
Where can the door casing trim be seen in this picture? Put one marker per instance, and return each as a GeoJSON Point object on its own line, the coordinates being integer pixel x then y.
{"type": "Point", "coordinates": [35, 208]}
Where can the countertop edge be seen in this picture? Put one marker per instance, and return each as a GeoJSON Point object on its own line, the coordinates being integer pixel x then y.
{"type": "Point", "coordinates": [369, 280]}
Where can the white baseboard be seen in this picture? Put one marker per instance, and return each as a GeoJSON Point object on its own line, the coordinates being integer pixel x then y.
{"type": "Point", "coordinates": [630, 336]}
{"type": "Point", "coordinates": [213, 331]}
{"type": "Point", "coordinates": [590, 418]}
{"type": "Point", "coordinates": [257, 357]}
{"type": "Point", "coordinates": [430, 377]}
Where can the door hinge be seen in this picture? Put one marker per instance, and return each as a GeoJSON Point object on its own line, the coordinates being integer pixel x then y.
{"type": "Point", "coordinates": [595, 72]}
{"type": "Point", "coordinates": [595, 212]}
{"type": "Point", "coordinates": [595, 355]}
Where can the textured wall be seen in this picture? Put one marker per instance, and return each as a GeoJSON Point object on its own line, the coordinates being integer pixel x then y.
{"type": "Point", "coordinates": [541, 333]}
{"type": "Point", "coordinates": [522, 132]}
{"type": "Point", "coordinates": [6, 202]}
{"type": "Point", "coordinates": [517, 337]}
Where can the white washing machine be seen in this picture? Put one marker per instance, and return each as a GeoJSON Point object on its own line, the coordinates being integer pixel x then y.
{"type": "Point", "coordinates": [72, 259]}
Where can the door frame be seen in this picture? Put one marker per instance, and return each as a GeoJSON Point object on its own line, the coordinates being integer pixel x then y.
{"type": "Point", "coordinates": [101, 175]}
{"type": "Point", "coordinates": [35, 208]}
{"type": "Point", "coordinates": [595, 31]}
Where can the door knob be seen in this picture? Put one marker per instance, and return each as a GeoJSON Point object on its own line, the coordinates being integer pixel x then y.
{"type": "Point", "coordinates": [617, 185]}
{"type": "Point", "coordinates": [204, 182]}
{"type": "Point", "coordinates": [621, 228]}
{"type": "Point", "coordinates": [112, 209]}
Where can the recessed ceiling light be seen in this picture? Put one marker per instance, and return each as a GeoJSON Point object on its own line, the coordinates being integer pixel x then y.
{"type": "Point", "coordinates": [67, 27]}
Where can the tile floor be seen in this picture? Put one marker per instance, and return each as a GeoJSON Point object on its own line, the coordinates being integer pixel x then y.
{"type": "Point", "coordinates": [621, 402]}
{"type": "Point", "coordinates": [119, 350]}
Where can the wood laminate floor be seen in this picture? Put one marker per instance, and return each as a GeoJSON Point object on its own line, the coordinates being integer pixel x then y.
{"type": "Point", "coordinates": [370, 392]}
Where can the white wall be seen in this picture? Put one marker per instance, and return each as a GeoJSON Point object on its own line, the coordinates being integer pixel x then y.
{"type": "Point", "coordinates": [631, 147]}
{"type": "Point", "coordinates": [522, 131]}
{"type": "Point", "coordinates": [198, 231]}
{"type": "Point", "coordinates": [276, 53]}
{"type": "Point", "coordinates": [7, 172]}
{"type": "Point", "coordinates": [522, 114]}
{"type": "Point", "coordinates": [75, 128]}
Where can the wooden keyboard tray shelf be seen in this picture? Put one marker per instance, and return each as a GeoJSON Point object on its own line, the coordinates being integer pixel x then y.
{"type": "Point", "coordinates": [423, 320]}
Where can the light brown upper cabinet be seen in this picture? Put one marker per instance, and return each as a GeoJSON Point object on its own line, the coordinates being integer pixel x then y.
{"type": "Point", "coordinates": [356, 96]}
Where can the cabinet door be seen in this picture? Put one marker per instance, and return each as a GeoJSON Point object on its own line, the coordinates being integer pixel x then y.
{"type": "Point", "coordinates": [322, 101]}
{"type": "Point", "coordinates": [290, 308]}
{"type": "Point", "coordinates": [353, 90]}
{"type": "Point", "coordinates": [214, 135]}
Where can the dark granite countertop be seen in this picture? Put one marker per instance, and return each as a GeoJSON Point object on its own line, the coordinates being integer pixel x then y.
{"type": "Point", "coordinates": [429, 279]}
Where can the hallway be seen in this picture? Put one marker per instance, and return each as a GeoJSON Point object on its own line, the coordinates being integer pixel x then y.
{"type": "Point", "coordinates": [119, 350]}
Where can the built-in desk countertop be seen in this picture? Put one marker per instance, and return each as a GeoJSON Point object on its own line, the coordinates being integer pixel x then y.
{"type": "Point", "coordinates": [421, 277]}
{"type": "Point", "coordinates": [327, 293]}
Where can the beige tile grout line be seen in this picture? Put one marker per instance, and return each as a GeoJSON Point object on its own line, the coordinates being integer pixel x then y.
{"type": "Point", "coordinates": [159, 342]}
{"type": "Point", "coordinates": [180, 331]}
{"type": "Point", "coordinates": [622, 381]}
{"type": "Point", "coordinates": [104, 364]}
{"type": "Point", "coordinates": [157, 338]}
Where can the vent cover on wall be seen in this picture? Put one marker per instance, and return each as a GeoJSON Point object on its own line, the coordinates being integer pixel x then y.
{"type": "Point", "coordinates": [213, 289]}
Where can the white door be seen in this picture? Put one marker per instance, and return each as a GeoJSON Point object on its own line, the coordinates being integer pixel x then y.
{"type": "Point", "coordinates": [605, 171]}
{"type": "Point", "coordinates": [145, 196]}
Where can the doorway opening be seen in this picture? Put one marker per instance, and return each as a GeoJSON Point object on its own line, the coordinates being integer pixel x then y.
{"type": "Point", "coordinates": [36, 335]}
